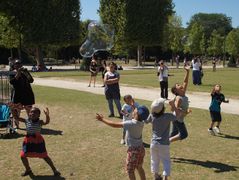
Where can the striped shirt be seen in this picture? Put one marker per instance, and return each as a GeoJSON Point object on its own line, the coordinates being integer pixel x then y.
{"type": "Point", "coordinates": [33, 127]}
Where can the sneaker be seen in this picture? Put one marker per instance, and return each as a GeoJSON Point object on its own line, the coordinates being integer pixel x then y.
{"type": "Point", "coordinates": [111, 115]}
{"type": "Point", "coordinates": [211, 132]}
{"type": "Point", "coordinates": [122, 141]}
{"type": "Point", "coordinates": [217, 130]}
{"type": "Point", "coordinates": [26, 173]}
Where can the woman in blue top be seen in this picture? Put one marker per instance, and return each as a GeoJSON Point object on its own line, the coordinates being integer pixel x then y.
{"type": "Point", "coordinates": [215, 109]}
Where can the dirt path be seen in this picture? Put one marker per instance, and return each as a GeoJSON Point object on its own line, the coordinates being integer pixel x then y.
{"type": "Point", "coordinates": [197, 99]}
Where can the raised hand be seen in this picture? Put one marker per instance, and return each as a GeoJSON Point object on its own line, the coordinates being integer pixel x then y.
{"type": "Point", "coordinates": [99, 117]}
{"type": "Point", "coordinates": [46, 111]}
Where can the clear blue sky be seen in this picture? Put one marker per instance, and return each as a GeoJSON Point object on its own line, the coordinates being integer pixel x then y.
{"type": "Point", "coordinates": [184, 8]}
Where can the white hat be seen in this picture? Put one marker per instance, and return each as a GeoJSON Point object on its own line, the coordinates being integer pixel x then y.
{"type": "Point", "coordinates": [157, 105]}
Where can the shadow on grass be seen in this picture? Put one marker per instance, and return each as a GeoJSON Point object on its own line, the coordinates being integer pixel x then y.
{"type": "Point", "coordinates": [11, 136]}
{"type": "Point", "coordinates": [47, 131]}
{"type": "Point", "coordinates": [46, 177]}
{"type": "Point", "coordinates": [227, 136]}
{"type": "Point", "coordinates": [217, 166]}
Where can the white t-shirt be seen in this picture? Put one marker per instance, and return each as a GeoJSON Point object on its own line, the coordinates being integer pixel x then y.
{"type": "Point", "coordinates": [163, 73]}
{"type": "Point", "coordinates": [196, 66]}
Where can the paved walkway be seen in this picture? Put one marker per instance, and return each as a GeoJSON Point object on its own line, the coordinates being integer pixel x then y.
{"type": "Point", "coordinates": [197, 99]}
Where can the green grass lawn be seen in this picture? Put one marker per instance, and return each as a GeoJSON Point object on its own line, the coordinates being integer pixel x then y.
{"type": "Point", "coordinates": [83, 148]}
{"type": "Point", "coordinates": [227, 78]}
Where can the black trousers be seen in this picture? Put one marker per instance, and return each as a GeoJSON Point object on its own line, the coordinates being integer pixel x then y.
{"type": "Point", "coordinates": [164, 89]}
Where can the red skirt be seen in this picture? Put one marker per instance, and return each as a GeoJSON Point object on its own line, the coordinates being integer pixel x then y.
{"type": "Point", "coordinates": [34, 146]}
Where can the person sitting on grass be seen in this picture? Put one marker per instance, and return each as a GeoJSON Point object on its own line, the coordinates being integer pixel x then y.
{"type": "Point", "coordinates": [33, 143]}
{"type": "Point", "coordinates": [136, 151]}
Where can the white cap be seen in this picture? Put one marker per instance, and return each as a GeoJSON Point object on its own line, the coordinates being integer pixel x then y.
{"type": "Point", "coordinates": [157, 105]}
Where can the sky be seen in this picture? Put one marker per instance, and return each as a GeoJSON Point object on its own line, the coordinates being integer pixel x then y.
{"type": "Point", "coordinates": [184, 8]}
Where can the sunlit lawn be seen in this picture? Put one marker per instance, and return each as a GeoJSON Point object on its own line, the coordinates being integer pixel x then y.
{"type": "Point", "coordinates": [83, 148]}
{"type": "Point", "coordinates": [227, 77]}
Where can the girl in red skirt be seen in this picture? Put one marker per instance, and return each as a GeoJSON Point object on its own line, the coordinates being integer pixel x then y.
{"type": "Point", "coordinates": [33, 143]}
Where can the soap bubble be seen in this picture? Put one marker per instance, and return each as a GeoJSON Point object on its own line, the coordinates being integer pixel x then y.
{"type": "Point", "coordinates": [100, 37]}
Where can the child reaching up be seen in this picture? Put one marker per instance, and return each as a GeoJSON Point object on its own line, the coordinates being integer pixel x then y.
{"type": "Point", "coordinates": [180, 106]}
{"type": "Point", "coordinates": [159, 148]}
{"type": "Point", "coordinates": [127, 111]}
{"type": "Point", "coordinates": [136, 151]}
{"type": "Point", "coordinates": [33, 143]}
{"type": "Point", "coordinates": [215, 109]}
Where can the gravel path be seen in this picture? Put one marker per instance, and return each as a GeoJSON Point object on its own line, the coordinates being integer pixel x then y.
{"type": "Point", "coordinates": [197, 99]}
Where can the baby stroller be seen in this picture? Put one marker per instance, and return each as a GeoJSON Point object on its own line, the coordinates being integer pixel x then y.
{"type": "Point", "coordinates": [6, 120]}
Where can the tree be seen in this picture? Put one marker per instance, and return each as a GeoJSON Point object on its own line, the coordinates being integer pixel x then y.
{"type": "Point", "coordinates": [9, 38]}
{"type": "Point", "coordinates": [215, 45]}
{"type": "Point", "coordinates": [195, 40]}
{"type": "Point", "coordinates": [210, 22]}
{"type": "Point", "coordinates": [175, 34]}
{"type": "Point", "coordinates": [141, 23]}
{"type": "Point", "coordinates": [232, 45]}
{"type": "Point", "coordinates": [61, 27]}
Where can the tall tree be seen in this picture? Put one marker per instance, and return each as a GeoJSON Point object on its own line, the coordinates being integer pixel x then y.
{"type": "Point", "coordinates": [54, 22]}
{"type": "Point", "coordinates": [211, 22]}
{"type": "Point", "coordinates": [195, 40]}
{"type": "Point", "coordinates": [140, 23]}
{"type": "Point", "coordinates": [232, 45]}
{"type": "Point", "coordinates": [215, 45]}
{"type": "Point", "coordinates": [175, 34]}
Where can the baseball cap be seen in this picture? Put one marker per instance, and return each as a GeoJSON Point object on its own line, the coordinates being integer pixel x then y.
{"type": "Point", "coordinates": [157, 105]}
{"type": "Point", "coordinates": [143, 112]}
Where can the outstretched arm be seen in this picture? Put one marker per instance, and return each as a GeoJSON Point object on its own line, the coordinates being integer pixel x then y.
{"type": "Point", "coordinates": [100, 117]}
{"type": "Point", "coordinates": [185, 82]}
{"type": "Point", "coordinates": [46, 112]}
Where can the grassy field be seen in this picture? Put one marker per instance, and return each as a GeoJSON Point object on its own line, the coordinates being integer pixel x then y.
{"type": "Point", "coordinates": [227, 77]}
{"type": "Point", "coordinates": [84, 149]}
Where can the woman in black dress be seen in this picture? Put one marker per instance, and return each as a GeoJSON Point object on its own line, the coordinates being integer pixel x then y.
{"type": "Point", "coordinates": [21, 81]}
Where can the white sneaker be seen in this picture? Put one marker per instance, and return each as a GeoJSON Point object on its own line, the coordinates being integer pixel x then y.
{"type": "Point", "coordinates": [122, 141]}
{"type": "Point", "coordinates": [217, 130]}
{"type": "Point", "coordinates": [211, 132]}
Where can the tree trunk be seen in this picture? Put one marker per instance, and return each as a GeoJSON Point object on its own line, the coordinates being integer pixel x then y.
{"type": "Point", "coordinates": [40, 63]}
{"type": "Point", "coordinates": [139, 55]}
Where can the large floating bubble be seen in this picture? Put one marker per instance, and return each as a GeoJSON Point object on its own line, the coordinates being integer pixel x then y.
{"type": "Point", "coordinates": [100, 38]}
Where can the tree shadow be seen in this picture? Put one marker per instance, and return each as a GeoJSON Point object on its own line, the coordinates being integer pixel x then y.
{"type": "Point", "coordinates": [227, 136]}
{"type": "Point", "coordinates": [46, 131]}
{"type": "Point", "coordinates": [46, 177]}
{"type": "Point", "coordinates": [219, 167]}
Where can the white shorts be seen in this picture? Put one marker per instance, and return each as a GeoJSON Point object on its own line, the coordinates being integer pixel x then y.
{"type": "Point", "coordinates": [160, 153]}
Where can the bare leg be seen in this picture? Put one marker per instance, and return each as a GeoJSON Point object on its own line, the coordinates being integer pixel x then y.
{"type": "Point", "coordinates": [218, 124]}
{"type": "Point", "coordinates": [26, 163]}
{"type": "Point", "coordinates": [212, 124]}
{"type": "Point", "coordinates": [141, 172]}
{"type": "Point", "coordinates": [90, 81]}
{"type": "Point", "coordinates": [28, 109]}
{"type": "Point", "coordinates": [165, 178]}
{"type": "Point", "coordinates": [131, 176]}
{"type": "Point", "coordinates": [50, 163]}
